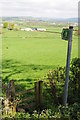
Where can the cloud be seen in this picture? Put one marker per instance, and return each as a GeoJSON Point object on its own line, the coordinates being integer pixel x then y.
{"type": "Point", "coordinates": [40, 8]}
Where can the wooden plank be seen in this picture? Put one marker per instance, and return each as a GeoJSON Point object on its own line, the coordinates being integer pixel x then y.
{"type": "Point", "coordinates": [27, 99]}
{"type": "Point", "coordinates": [28, 106]}
{"type": "Point", "coordinates": [24, 92]}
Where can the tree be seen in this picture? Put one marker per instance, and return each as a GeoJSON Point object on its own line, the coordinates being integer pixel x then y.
{"type": "Point", "coordinates": [11, 26]}
{"type": "Point", "coordinates": [5, 24]}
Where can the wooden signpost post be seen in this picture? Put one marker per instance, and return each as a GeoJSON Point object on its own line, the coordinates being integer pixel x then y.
{"type": "Point", "coordinates": [68, 66]}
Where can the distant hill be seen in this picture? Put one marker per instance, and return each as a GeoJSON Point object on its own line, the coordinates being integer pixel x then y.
{"type": "Point", "coordinates": [60, 19]}
{"type": "Point", "coordinates": [39, 19]}
{"type": "Point", "coordinates": [72, 19]}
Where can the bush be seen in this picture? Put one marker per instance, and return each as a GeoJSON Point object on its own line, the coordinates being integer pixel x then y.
{"type": "Point", "coordinates": [56, 81]}
{"type": "Point", "coordinates": [74, 83]}
{"type": "Point", "coordinates": [11, 26]}
{"type": "Point", "coordinates": [77, 32]}
{"type": "Point", "coordinates": [74, 111]}
{"type": "Point", "coordinates": [5, 25]}
{"type": "Point", "coordinates": [54, 84]}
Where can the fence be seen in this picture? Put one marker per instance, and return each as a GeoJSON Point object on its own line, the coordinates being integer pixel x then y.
{"type": "Point", "coordinates": [16, 101]}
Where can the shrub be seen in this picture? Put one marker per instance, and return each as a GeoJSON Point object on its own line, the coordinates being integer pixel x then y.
{"type": "Point", "coordinates": [54, 86]}
{"type": "Point", "coordinates": [74, 83]}
{"type": "Point", "coordinates": [5, 24]}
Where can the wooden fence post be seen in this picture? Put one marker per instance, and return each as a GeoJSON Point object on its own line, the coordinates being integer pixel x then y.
{"type": "Point", "coordinates": [40, 93]}
{"type": "Point", "coordinates": [36, 94]}
{"type": "Point", "coordinates": [13, 105]}
{"type": "Point", "coordinates": [6, 102]}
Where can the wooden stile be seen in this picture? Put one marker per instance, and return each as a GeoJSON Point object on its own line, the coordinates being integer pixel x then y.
{"type": "Point", "coordinates": [11, 102]}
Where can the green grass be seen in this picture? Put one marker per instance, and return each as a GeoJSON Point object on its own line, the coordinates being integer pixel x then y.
{"type": "Point", "coordinates": [28, 56]}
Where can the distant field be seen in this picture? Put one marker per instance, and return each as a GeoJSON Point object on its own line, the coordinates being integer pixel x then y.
{"type": "Point", "coordinates": [28, 56]}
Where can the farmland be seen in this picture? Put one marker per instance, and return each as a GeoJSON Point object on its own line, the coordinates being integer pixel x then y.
{"type": "Point", "coordinates": [28, 56]}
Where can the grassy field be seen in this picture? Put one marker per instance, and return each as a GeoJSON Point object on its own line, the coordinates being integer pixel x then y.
{"type": "Point", "coordinates": [28, 56]}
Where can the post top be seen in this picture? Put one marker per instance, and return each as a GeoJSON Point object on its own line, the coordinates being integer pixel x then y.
{"type": "Point", "coordinates": [70, 27]}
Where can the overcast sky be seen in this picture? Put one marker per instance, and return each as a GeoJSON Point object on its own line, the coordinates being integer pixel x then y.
{"type": "Point", "coordinates": [40, 8]}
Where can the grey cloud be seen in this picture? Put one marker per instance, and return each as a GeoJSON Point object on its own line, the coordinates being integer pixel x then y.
{"type": "Point", "coordinates": [44, 8]}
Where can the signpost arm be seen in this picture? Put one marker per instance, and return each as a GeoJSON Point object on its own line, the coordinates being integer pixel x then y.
{"type": "Point", "coordinates": [68, 65]}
